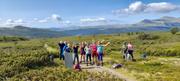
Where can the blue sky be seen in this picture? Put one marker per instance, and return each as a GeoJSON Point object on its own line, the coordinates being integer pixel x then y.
{"type": "Point", "coordinates": [62, 13]}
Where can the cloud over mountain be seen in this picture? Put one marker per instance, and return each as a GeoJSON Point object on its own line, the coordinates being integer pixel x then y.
{"type": "Point", "coordinates": [91, 20]}
{"type": "Point", "coordinates": [52, 18]}
{"type": "Point", "coordinates": [56, 17]}
{"type": "Point", "coordinates": [11, 22]}
{"type": "Point", "coordinates": [140, 7]}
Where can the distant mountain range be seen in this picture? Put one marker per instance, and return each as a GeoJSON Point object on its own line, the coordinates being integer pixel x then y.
{"type": "Point", "coordinates": [162, 24]}
{"type": "Point", "coordinates": [29, 32]}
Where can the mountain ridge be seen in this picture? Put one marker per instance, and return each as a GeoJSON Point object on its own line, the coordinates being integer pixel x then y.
{"type": "Point", "coordinates": [162, 24]}
{"type": "Point", "coordinates": [29, 32]}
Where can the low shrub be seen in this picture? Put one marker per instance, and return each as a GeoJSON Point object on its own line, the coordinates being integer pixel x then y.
{"type": "Point", "coordinates": [145, 36]}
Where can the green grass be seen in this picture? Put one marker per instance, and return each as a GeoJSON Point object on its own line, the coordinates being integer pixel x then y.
{"type": "Point", "coordinates": [28, 60]}
{"type": "Point", "coordinates": [59, 73]}
{"type": "Point", "coordinates": [152, 69]}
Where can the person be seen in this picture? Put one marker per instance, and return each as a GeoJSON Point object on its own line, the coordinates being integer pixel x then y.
{"type": "Point", "coordinates": [61, 46]}
{"type": "Point", "coordinates": [100, 51]}
{"type": "Point", "coordinates": [124, 50]}
{"type": "Point", "coordinates": [94, 53]}
{"type": "Point", "coordinates": [88, 54]}
{"type": "Point", "coordinates": [75, 50]}
{"type": "Point", "coordinates": [82, 51]}
{"type": "Point", "coordinates": [130, 49]}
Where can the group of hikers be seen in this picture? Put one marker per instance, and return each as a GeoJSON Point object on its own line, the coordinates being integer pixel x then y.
{"type": "Point", "coordinates": [90, 53]}
{"type": "Point", "coordinates": [127, 51]}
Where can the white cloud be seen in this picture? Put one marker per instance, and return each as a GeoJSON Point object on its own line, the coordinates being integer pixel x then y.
{"type": "Point", "coordinates": [6, 23]}
{"type": "Point", "coordinates": [92, 20]}
{"type": "Point", "coordinates": [139, 7]}
{"type": "Point", "coordinates": [11, 22]}
{"type": "Point", "coordinates": [136, 7]}
{"type": "Point", "coordinates": [19, 21]}
{"type": "Point", "coordinates": [161, 7]}
{"type": "Point", "coordinates": [35, 19]}
{"type": "Point", "coordinates": [52, 18]}
{"type": "Point", "coordinates": [67, 22]}
{"type": "Point", "coordinates": [43, 20]}
{"type": "Point", "coordinates": [56, 17]}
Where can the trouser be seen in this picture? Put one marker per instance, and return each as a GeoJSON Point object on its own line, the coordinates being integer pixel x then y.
{"type": "Point", "coordinates": [100, 56]}
{"type": "Point", "coordinates": [124, 54]}
{"type": "Point", "coordinates": [61, 56]}
{"type": "Point", "coordinates": [76, 57]}
{"type": "Point", "coordinates": [131, 53]}
{"type": "Point", "coordinates": [94, 56]}
{"type": "Point", "coordinates": [88, 57]}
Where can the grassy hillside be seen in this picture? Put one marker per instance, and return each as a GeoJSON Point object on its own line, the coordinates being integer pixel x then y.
{"type": "Point", "coordinates": [27, 60]}
{"type": "Point", "coordinates": [12, 39]}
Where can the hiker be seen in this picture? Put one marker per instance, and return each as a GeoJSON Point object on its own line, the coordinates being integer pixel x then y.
{"type": "Point", "coordinates": [67, 47]}
{"type": "Point", "coordinates": [88, 54]}
{"type": "Point", "coordinates": [130, 49]}
{"type": "Point", "coordinates": [82, 51]}
{"type": "Point", "coordinates": [124, 50]}
{"type": "Point", "coordinates": [61, 46]}
{"type": "Point", "coordinates": [94, 53]}
{"type": "Point", "coordinates": [75, 50]}
{"type": "Point", "coordinates": [100, 51]}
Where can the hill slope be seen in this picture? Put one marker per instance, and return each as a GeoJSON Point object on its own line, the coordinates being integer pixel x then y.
{"type": "Point", "coordinates": [29, 32]}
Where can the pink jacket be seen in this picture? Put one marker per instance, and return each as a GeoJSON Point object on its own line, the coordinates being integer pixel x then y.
{"type": "Point", "coordinates": [93, 47]}
{"type": "Point", "coordinates": [130, 47]}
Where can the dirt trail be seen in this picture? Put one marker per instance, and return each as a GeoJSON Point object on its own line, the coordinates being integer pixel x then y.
{"type": "Point", "coordinates": [95, 68]}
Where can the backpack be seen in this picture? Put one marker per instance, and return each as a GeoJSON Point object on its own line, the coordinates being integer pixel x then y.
{"type": "Point", "coordinates": [77, 67]}
{"type": "Point", "coordinates": [114, 66]}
